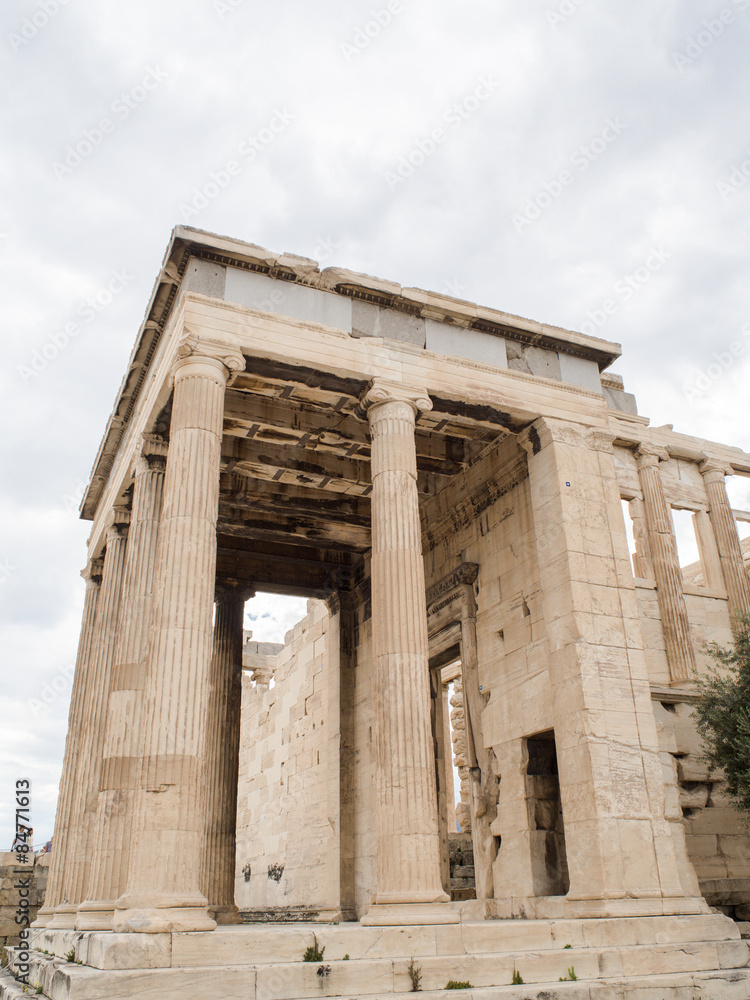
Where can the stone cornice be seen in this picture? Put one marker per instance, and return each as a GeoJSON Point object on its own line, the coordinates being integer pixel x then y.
{"type": "Point", "coordinates": [186, 242]}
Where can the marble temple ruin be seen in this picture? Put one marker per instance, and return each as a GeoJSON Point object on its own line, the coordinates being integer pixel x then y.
{"type": "Point", "coordinates": [449, 486]}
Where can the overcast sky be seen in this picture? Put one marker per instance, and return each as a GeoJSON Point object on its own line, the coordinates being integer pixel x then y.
{"type": "Point", "coordinates": [530, 156]}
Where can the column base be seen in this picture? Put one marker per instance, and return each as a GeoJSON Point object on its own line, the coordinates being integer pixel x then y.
{"type": "Point", "coordinates": [225, 914]}
{"type": "Point", "coordinates": [162, 920]}
{"type": "Point", "coordinates": [402, 914]}
{"type": "Point", "coordinates": [95, 915]}
{"type": "Point", "coordinates": [43, 917]}
{"type": "Point", "coordinates": [64, 918]}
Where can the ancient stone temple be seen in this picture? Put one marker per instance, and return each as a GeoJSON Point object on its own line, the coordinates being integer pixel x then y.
{"type": "Point", "coordinates": [454, 489]}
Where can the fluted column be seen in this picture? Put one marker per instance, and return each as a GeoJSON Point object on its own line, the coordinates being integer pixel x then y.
{"type": "Point", "coordinates": [95, 698]}
{"type": "Point", "coordinates": [121, 767]}
{"type": "Point", "coordinates": [57, 891]}
{"type": "Point", "coordinates": [163, 891]}
{"type": "Point", "coordinates": [408, 866]}
{"type": "Point", "coordinates": [642, 565]}
{"type": "Point", "coordinates": [727, 539]}
{"type": "Point", "coordinates": [666, 566]}
{"type": "Point", "coordinates": [223, 752]}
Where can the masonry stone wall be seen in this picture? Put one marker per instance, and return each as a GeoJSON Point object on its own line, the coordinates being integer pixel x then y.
{"type": "Point", "coordinates": [10, 873]}
{"type": "Point", "coordinates": [288, 803]}
{"type": "Point", "coordinates": [716, 835]}
{"type": "Point", "coordinates": [512, 644]}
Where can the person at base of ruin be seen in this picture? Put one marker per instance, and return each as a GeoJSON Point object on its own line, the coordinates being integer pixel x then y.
{"type": "Point", "coordinates": [23, 838]}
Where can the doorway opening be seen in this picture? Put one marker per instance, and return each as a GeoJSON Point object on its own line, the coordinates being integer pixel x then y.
{"type": "Point", "coordinates": [548, 855]}
{"type": "Point", "coordinates": [453, 780]}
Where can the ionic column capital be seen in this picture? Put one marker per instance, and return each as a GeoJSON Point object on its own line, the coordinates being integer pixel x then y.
{"type": "Point", "coordinates": [120, 522]}
{"type": "Point", "coordinates": [228, 591]}
{"type": "Point", "coordinates": [381, 391]}
{"type": "Point", "coordinates": [650, 455]}
{"type": "Point", "coordinates": [92, 572]}
{"type": "Point", "coordinates": [714, 470]}
{"type": "Point", "coordinates": [262, 675]}
{"type": "Point", "coordinates": [153, 457]}
{"type": "Point", "coordinates": [211, 358]}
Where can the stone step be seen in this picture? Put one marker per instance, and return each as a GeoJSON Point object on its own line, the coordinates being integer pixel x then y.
{"type": "Point", "coordinates": [715, 985]}
{"type": "Point", "coordinates": [368, 978]}
{"type": "Point", "coordinates": [256, 944]}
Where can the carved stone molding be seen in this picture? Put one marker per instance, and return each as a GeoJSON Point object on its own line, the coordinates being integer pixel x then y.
{"type": "Point", "coordinates": [548, 430]}
{"type": "Point", "coordinates": [466, 511]}
{"type": "Point", "coordinates": [466, 573]}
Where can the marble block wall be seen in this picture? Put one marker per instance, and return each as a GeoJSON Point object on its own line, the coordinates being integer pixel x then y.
{"type": "Point", "coordinates": [288, 813]}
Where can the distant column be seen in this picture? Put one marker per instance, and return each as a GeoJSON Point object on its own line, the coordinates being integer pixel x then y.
{"type": "Point", "coordinates": [58, 892]}
{"type": "Point", "coordinates": [666, 566]}
{"type": "Point", "coordinates": [121, 769]}
{"type": "Point", "coordinates": [727, 539]}
{"type": "Point", "coordinates": [95, 699]}
{"type": "Point", "coordinates": [408, 863]}
{"type": "Point", "coordinates": [163, 891]}
{"type": "Point", "coordinates": [223, 752]}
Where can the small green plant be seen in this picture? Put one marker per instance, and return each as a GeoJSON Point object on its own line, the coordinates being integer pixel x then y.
{"type": "Point", "coordinates": [70, 956]}
{"type": "Point", "coordinates": [517, 979]}
{"type": "Point", "coordinates": [345, 958]}
{"type": "Point", "coordinates": [571, 976]}
{"type": "Point", "coordinates": [568, 945]}
{"type": "Point", "coordinates": [458, 984]}
{"type": "Point", "coordinates": [313, 953]}
{"type": "Point", "coordinates": [38, 988]}
{"type": "Point", "coordinates": [415, 974]}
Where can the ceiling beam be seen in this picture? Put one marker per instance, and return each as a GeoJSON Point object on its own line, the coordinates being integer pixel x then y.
{"type": "Point", "coordinates": [340, 537]}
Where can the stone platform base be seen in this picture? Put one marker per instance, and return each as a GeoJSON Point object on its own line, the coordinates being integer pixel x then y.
{"type": "Point", "coordinates": [645, 958]}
